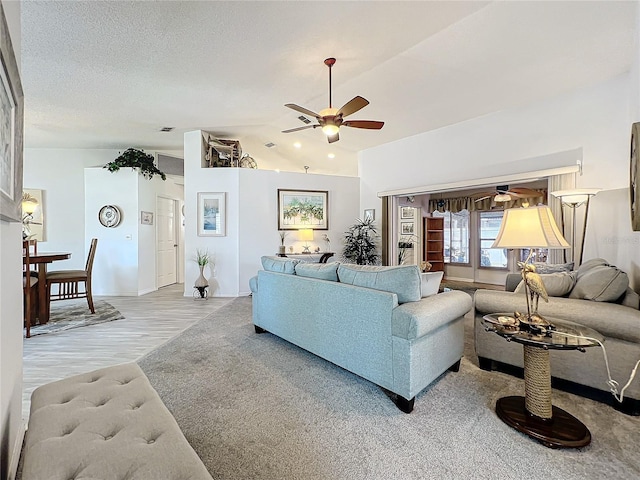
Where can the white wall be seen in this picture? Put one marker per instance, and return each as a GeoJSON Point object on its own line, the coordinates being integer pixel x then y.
{"type": "Point", "coordinates": [11, 423]}
{"type": "Point", "coordinates": [594, 121]}
{"type": "Point", "coordinates": [252, 218]}
{"type": "Point", "coordinates": [60, 174]}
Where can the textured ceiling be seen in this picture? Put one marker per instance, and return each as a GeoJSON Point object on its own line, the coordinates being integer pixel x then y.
{"type": "Point", "coordinates": [111, 74]}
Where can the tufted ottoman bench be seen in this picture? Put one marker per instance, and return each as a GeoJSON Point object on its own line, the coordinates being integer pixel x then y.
{"type": "Point", "coordinates": [109, 424]}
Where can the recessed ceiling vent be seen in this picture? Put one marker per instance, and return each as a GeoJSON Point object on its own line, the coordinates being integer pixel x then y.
{"type": "Point", "coordinates": [270, 145]}
{"type": "Point", "coordinates": [167, 129]}
{"type": "Point", "coordinates": [304, 119]}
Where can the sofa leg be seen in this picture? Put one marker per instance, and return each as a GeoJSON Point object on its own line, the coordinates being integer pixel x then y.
{"type": "Point", "coordinates": [455, 367]}
{"type": "Point", "coordinates": [485, 363]}
{"type": "Point", "coordinates": [258, 329]}
{"type": "Point", "coordinates": [403, 404]}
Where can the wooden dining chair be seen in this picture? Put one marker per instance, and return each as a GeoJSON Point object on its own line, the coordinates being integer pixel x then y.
{"type": "Point", "coordinates": [29, 285]}
{"type": "Point", "coordinates": [69, 282]}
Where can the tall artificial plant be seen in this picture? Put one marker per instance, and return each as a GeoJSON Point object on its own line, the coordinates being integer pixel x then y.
{"type": "Point", "coordinates": [360, 245]}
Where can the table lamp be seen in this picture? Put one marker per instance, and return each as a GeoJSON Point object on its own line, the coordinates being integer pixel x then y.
{"type": "Point", "coordinates": [306, 235]}
{"type": "Point", "coordinates": [532, 227]}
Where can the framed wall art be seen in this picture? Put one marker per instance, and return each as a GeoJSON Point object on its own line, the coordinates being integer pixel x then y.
{"type": "Point", "coordinates": [212, 214]}
{"type": "Point", "coordinates": [370, 214]}
{"type": "Point", "coordinates": [406, 228]}
{"type": "Point", "coordinates": [11, 129]}
{"type": "Point", "coordinates": [146, 218]}
{"type": "Point", "coordinates": [406, 213]}
{"type": "Point", "coordinates": [303, 209]}
{"type": "Point", "coordinates": [634, 177]}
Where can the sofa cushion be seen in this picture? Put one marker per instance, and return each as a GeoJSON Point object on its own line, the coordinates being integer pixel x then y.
{"type": "Point", "coordinates": [322, 271]}
{"type": "Point", "coordinates": [602, 283]}
{"type": "Point", "coordinates": [279, 264]}
{"type": "Point", "coordinates": [545, 268]}
{"type": "Point", "coordinates": [556, 284]}
{"type": "Point", "coordinates": [630, 299]}
{"type": "Point", "coordinates": [402, 280]}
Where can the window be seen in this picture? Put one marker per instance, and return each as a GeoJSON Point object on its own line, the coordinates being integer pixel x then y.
{"type": "Point", "coordinates": [489, 228]}
{"type": "Point", "coordinates": [456, 236]}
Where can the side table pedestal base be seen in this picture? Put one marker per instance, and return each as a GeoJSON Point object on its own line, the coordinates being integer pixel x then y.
{"type": "Point", "coordinates": [563, 430]}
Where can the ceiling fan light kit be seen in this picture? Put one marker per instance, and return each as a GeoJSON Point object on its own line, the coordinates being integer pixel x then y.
{"type": "Point", "coordinates": [331, 119]}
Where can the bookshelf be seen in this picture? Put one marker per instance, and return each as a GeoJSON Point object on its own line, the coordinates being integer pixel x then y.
{"type": "Point", "coordinates": [434, 242]}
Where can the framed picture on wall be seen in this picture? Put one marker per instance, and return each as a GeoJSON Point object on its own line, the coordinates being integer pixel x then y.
{"type": "Point", "coordinates": [146, 218]}
{"type": "Point", "coordinates": [370, 214]}
{"type": "Point", "coordinates": [406, 228]}
{"type": "Point", "coordinates": [406, 212]}
{"type": "Point", "coordinates": [303, 209]}
{"type": "Point", "coordinates": [211, 214]}
{"type": "Point", "coordinates": [11, 124]}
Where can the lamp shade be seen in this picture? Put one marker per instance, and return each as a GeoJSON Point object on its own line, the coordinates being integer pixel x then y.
{"type": "Point", "coordinates": [575, 197]}
{"type": "Point", "coordinates": [305, 234]}
{"type": "Point", "coordinates": [532, 227]}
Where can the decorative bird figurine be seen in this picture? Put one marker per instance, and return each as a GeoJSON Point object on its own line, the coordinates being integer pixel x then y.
{"type": "Point", "coordinates": [535, 287]}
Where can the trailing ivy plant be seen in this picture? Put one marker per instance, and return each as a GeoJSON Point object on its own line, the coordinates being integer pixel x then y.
{"type": "Point", "coordinates": [360, 243]}
{"type": "Point", "coordinates": [137, 160]}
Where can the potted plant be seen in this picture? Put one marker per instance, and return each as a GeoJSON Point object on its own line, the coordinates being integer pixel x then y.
{"type": "Point", "coordinates": [360, 243]}
{"type": "Point", "coordinates": [282, 248]}
{"type": "Point", "coordinates": [202, 258]}
{"type": "Point", "coordinates": [137, 160]}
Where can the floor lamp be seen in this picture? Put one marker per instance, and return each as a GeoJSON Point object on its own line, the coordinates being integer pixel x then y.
{"type": "Point", "coordinates": [574, 199]}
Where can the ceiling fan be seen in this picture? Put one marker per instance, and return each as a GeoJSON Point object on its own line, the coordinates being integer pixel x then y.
{"type": "Point", "coordinates": [331, 119]}
{"type": "Point", "coordinates": [503, 193]}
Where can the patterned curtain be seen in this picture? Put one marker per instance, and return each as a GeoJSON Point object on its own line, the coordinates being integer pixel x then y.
{"type": "Point", "coordinates": [458, 204]}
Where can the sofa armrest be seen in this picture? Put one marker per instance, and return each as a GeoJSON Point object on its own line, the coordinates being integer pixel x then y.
{"type": "Point", "coordinates": [253, 284]}
{"type": "Point", "coordinates": [610, 319]}
{"type": "Point", "coordinates": [413, 320]}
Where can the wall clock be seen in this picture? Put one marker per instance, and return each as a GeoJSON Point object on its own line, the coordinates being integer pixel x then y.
{"type": "Point", "coordinates": [634, 177]}
{"type": "Point", "coordinates": [110, 216]}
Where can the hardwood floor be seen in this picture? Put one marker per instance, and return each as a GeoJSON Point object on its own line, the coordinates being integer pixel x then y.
{"type": "Point", "coordinates": [150, 320]}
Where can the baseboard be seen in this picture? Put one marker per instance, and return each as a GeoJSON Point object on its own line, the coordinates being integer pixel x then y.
{"type": "Point", "coordinates": [458, 279]}
{"type": "Point", "coordinates": [147, 290]}
{"type": "Point", "coordinates": [17, 450]}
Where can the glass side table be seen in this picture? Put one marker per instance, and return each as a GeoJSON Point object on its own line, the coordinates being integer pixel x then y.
{"type": "Point", "coordinates": [534, 413]}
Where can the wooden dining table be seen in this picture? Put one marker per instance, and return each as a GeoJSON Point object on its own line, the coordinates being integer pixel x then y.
{"type": "Point", "coordinates": [42, 259]}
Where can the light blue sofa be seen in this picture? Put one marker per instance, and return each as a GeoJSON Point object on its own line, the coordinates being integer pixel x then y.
{"type": "Point", "coordinates": [371, 321]}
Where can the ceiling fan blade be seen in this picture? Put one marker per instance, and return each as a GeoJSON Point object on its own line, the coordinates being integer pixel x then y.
{"type": "Point", "coordinates": [304, 127]}
{"type": "Point", "coordinates": [524, 192]}
{"type": "Point", "coordinates": [483, 198]}
{"type": "Point", "coordinates": [300, 109]}
{"type": "Point", "coordinates": [352, 106]}
{"type": "Point", "coordinates": [369, 124]}
{"type": "Point", "coordinates": [333, 138]}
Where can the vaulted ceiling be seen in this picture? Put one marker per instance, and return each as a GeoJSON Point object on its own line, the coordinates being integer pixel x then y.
{"type": "Point", "coordinates": [112, 74]}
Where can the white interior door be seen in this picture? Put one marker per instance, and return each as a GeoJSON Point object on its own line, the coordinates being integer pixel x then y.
{"type": "Point", "coordinates": [167, 248]}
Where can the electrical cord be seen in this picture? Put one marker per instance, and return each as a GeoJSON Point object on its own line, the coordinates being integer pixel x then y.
{"type": "Point", "coordinates": [613, 385]}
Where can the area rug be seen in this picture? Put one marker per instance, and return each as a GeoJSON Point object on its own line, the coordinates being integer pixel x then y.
{"type": "Point", "coordinates": [254, 406]}
{"type": "Point", "coordinates": [74, 314]}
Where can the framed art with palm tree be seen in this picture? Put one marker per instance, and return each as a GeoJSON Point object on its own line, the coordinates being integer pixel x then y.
{"type": "Point", "coordinates": [303, 209]}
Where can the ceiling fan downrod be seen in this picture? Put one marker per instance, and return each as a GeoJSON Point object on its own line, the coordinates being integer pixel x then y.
{"type": "Point", "coordinates": [330, 62]}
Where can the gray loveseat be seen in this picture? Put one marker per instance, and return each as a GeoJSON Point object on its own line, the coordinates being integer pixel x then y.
{"type": "Point", "coordinates": [370, 321]}
{"type": "Point", "coordinates": [597, 296]}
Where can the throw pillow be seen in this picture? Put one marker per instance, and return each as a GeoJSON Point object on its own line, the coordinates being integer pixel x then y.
{"type": "Point", "coordinates": [602, 283]}
{"type": "Point", "coordinates": [322, 271]}
{"type": "Point", "coordinates": [552, 267]}
{"type": "Point", "coordinates": [589, 264]}
{"type": "Point", "coordinates": [430, 283]}
{"type": "Point", "coordinates": [403, 280]}
{"type": "Point", "coordinates": [556, 284]}
{"type": "Point", "coordinates": [279, 264]}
